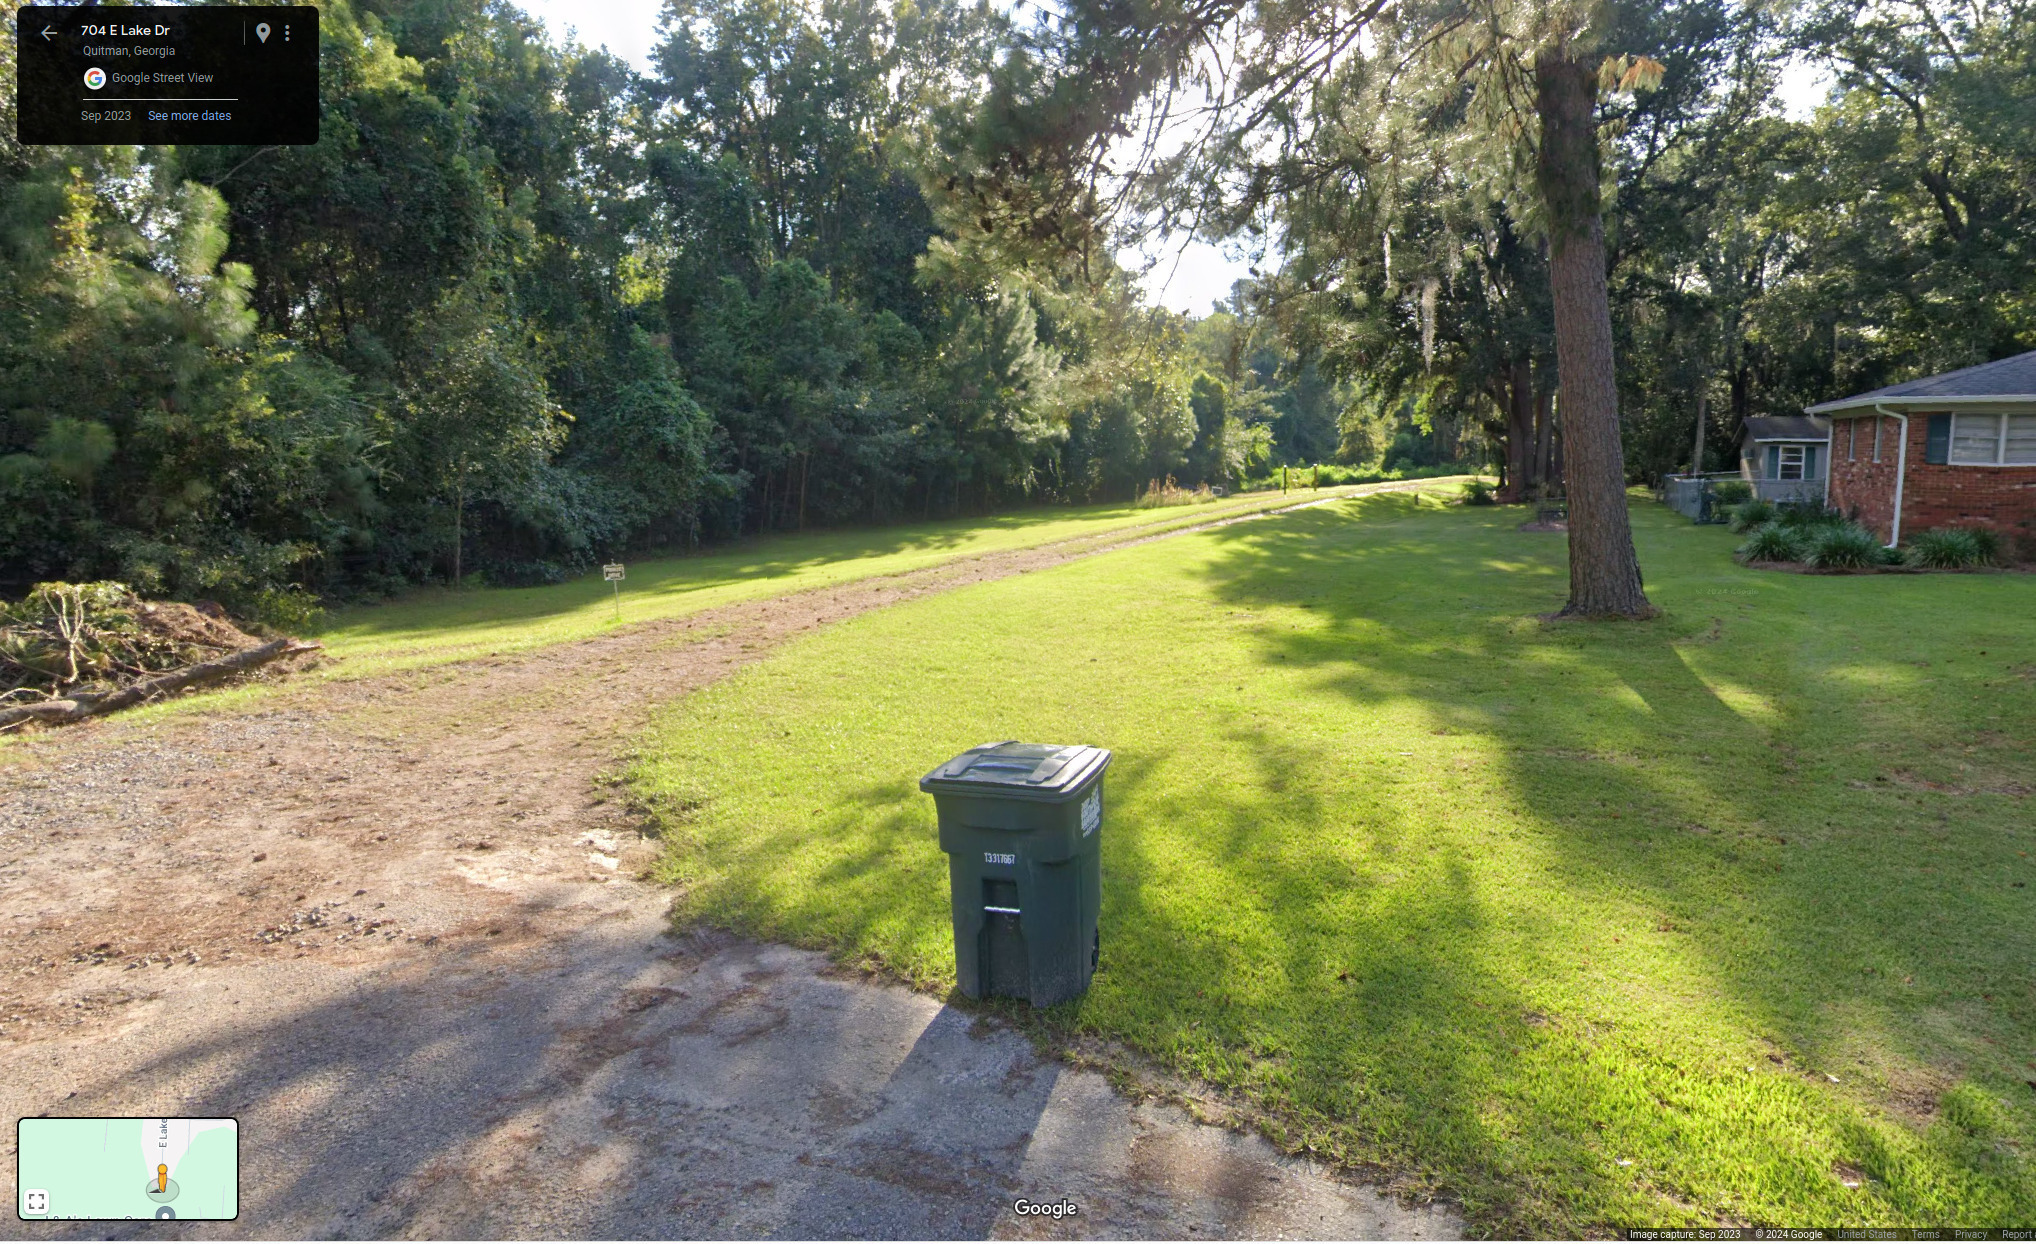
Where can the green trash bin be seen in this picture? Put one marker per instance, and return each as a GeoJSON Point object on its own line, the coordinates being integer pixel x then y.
{"type": "Point", "coordinates": [1022, 827]}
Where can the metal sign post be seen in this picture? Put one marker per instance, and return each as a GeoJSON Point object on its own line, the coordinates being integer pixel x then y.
{"type": "Point", "coordinates": [613, 573]}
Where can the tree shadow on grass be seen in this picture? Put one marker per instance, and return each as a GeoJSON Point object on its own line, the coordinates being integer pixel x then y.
{"type": "Point", "coordinates": [428, 611]}
{"type": "Point", "coordinates": [1638, 865]}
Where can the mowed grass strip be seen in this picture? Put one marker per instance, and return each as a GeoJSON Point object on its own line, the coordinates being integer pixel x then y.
{"type": "Point", "coordinates": [1705, 919]}
{"type": "Point", "coordinates": [434, 626]}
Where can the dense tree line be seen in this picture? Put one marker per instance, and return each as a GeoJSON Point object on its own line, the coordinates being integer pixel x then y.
{"type": "Point", "coordinates": [1757, 262]}
{"type": "Point", "coordinates": [1578, 226]}
{"type": "Point", "coordinates": [523, 307]}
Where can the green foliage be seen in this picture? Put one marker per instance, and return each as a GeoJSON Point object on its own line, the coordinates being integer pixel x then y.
{"type": "Point", "coordinates": [1729, 492]}
{"type": "Point", "coordinates": [1841, 546]}
{"type": "Point", "coordinates": [1806, 516]}
{"type": "Point", "coordinates": [1161, 493]}
{"type": "Point", "coordinates": [1331, 474]}
{"type": "Point", "coordinates": [1479, 492]}
{"type": "Point", "coordinates": [1953, 548]}
{"type": "Point", "coordinates": [1773, 542]}
{"type": "Point", "coordinates": [1751, 513]}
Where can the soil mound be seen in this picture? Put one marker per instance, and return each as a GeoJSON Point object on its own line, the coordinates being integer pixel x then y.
{"type": "Point", "coordinates": [192, 625]}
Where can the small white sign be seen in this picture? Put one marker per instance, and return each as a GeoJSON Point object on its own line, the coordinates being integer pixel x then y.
{"type": "Point", "coordinates": [998, 857]}
{"type": "Point", "coordinates": [612, 572]}
{"type": "Point", "coordinates": [1092, 812]}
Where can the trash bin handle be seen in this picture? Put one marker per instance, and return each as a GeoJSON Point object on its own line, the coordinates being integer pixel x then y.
{"type": "Point", "coordinates": [1002, 911]}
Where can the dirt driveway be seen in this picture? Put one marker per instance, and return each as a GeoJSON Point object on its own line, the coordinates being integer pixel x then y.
{"type": "Point", "coordinates": [391, 925]}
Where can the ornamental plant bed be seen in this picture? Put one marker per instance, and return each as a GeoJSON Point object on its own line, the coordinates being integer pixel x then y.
{"type": "Point", "coordinates": [1807, 568]}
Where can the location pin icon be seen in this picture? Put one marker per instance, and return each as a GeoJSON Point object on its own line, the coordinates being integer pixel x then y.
{"type": "Point", "coordinates": [262, 31]}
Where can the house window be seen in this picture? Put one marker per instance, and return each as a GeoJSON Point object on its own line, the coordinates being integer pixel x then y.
{"type": "Point", "coordinates": [1791, 462]}
{"type": "Point", "coordinates": [2020, 446]}
{"type": "Point", "coordinates": [1993, 440]}
{"type": "Point", "coordinates": [1852, 440]}
{"type": "Point", "coordinates": [1975, 440]}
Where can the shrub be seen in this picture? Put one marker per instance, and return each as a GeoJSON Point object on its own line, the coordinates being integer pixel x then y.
{"type": "Point", "coordinates": [1748, 515]}
{"type": "Point", "coordinates": [1731, 492]}
{"type": "Point", "coordinates": [1842, 546]}
{"type": "Point", "coordinates": [1805, 516]}
{"type": "Point", "coordinates": [1478, 492]}
{"type": "Point", "coordinates": [1951, 548]}
{"type": "Point", "coordinates": [1772, 542]}
{"type": "Point", "coordinates": [1167, 492]}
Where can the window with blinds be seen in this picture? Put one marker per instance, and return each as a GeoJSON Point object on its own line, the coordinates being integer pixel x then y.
{"type": "Point", "coordinates": [1993, 440]}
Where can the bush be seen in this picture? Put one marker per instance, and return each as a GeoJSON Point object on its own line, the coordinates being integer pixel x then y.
{"type": "Point", "coordinates": [1748, 515]}
{"type": "Point", "coordinates": [1330, 474]}
{"type": "Point", "coordinates": [1731, 492]}
{"type": "Point", "coordinates": [1953, 548]}
{"type": "Point", "coordinates": [1772, 542]}
{"type": "Point", "coordinates": [1167, 492]}
{"type": "Point", "coordinates": [1805, 516]}
{"type": "Point", "coordinates": [1842, 546]}
{"type": "Point", "coordinates": [1478, 492]}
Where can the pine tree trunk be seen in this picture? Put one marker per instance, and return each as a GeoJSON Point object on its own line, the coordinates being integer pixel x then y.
{"type": "Point", "coordinates": [1520, 445]}
{"type": "Point", "coordinates": [459, 532]}
{"type": "Point", "coordinates": [1544, 443]}
{"type": "Point", "coordinates": [1604, 572]}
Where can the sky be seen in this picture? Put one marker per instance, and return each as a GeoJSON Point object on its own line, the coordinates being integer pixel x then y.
{"type": "Point", "coordinates": [1189, 273]}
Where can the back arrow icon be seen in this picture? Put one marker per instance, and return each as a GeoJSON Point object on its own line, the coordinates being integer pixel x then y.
{"type": "Point", "coordinates": [47, 31]}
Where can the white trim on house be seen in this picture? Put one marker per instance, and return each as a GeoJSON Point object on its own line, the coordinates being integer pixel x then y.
{"type": "Point", "coordinates": [1865, 404]}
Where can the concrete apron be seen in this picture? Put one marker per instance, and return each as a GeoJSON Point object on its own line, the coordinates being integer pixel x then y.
{"type": "Point", "coordinates": [621, 1082]}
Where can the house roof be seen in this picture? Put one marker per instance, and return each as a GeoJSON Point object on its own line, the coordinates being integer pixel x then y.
{"type": "Point", "coordinates": [2003, 380]}
{"type": "Point", "coordinates": [1784, 428]}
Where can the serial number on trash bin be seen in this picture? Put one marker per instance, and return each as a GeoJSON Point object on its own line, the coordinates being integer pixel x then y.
{"type": "Point", "coordinates": [998, 857]}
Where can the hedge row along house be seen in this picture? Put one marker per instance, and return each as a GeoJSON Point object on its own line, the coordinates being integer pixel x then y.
{"type": "Point", "coordinates": [1956, 450]}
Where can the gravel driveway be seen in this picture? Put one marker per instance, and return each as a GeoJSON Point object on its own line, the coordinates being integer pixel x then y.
{"type": "Point", "coordinates": [392, 926]}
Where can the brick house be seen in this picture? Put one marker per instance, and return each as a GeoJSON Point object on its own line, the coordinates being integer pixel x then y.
{"type": "Point", "coordinates": [1956, 450]}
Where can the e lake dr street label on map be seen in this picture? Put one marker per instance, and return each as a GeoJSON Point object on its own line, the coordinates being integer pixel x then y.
{"type": "Point", "coordinates": [127, 1168]}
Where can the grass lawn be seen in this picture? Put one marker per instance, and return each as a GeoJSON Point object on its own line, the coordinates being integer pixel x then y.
{"type": "Point", "coordinates": [1583, 925]}
{"type": "Point", "coordinates": [435, 626]}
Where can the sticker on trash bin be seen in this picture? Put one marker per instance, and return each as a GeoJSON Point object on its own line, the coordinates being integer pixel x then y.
{"type": "Point", "coordinates": [998, 857]}
{"type": "Point", "coordinates": [1092, 812]}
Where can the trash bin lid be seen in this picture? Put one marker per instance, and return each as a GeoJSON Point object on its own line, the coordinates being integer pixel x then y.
{"type": "Point", "coordinates": [1018, 770]}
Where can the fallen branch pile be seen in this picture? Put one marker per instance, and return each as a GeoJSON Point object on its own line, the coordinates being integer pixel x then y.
{"type": "Point", "coordinates": [75, 650]}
